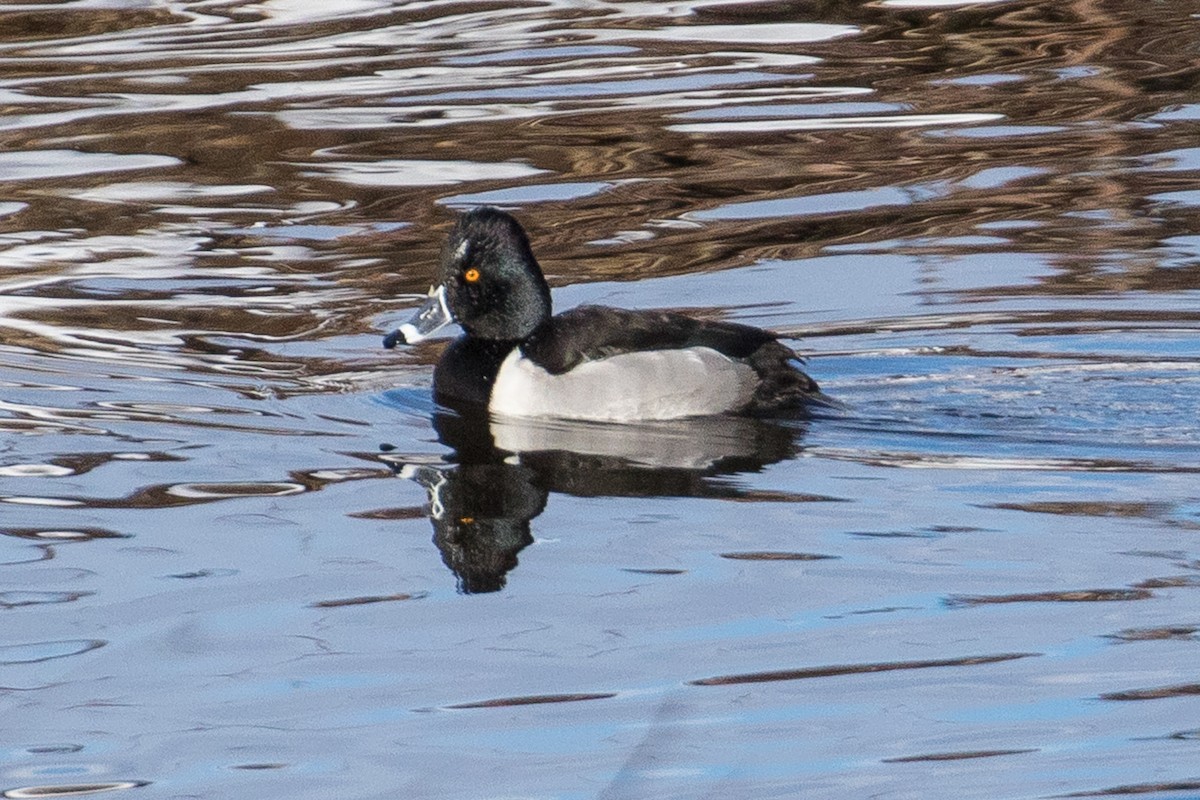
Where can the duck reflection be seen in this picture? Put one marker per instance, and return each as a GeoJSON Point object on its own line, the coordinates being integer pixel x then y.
{"type": "Point", "coordinates": [480, 515]}
{"type": "Point", "coordinates": [502, 471]}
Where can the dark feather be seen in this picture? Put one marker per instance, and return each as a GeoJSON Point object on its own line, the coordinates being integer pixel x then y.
{"type": "Point", "coordinates": [466, 371]}
{"type": "Point", "coordinates": [783, 385]}
{"type": "Point", "coordinates": [589, 333]}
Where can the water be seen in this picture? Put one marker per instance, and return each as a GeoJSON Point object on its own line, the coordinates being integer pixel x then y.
{"type": "Point", "coordinates": [245, 555]}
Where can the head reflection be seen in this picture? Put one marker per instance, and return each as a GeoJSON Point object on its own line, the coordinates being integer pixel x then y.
{"type": "Point", "coordinates": [502, 471]}
{"type": "Point", "coordinates": [480, 515]}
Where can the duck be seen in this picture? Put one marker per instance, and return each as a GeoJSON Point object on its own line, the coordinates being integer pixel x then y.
{"type": "Point", "coordinates": [591, 363]}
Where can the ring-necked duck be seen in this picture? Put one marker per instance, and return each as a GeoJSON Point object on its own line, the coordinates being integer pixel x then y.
{"type": "Point", "coordinates": [592, 362]}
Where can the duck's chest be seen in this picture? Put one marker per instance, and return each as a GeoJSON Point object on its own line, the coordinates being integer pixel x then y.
{"type": "Point", "coordinates": [467, 370]}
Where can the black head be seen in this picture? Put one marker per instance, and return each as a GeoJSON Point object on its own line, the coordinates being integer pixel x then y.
{"type": "Point", "coordinates": [494, 286]}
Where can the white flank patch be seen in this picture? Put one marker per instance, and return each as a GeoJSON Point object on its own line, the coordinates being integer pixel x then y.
{"type": "Point", "coordinates": [659, 384]}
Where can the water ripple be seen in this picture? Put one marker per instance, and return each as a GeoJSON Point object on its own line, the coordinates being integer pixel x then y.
{"type": "Point", "coordinates": [976, 218]}
{"type": "Point", "coordinates": [38, 652]}
{"type": "Point", "coordinates": [854, 669]}
{"type": "Point", "coordinates": [70, 789]}
{"type": "Point", "coordinates": [848, 122]}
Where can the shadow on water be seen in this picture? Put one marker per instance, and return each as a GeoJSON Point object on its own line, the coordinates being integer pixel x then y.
{"type": "Point", "coordinates": [501, 471]}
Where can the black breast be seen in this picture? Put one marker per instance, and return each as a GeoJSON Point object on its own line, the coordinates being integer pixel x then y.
{"type": "Point", "coordinates": [467, 370]}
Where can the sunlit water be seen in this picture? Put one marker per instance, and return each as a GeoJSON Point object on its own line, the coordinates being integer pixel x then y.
{"type": "Point", "coordinates": [244, 555]}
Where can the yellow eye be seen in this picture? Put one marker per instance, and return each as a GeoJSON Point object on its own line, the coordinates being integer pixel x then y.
{"type": "Point", "coordinates": [471, 275]}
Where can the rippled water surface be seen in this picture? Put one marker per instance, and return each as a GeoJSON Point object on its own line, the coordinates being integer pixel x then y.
{"type": "Point", "coordinates": [244, 555]}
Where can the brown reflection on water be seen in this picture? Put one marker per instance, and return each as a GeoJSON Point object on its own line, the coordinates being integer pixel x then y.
{"type": "Point", "coordinates": [57, 536]}
{"type": "Point", "coordinates": [774, 555]}
{"type": "Point", "coordinates": [1170, 582]}
{"type": "Point", "coordinates": [172, 495]}
{"type": "Point", "coordinates": [19, 599]}
{"type": "Point", "coordinates": [32, 25]}
{"type": "Point", "coordinates": [536, 699]}
{"type": "Point", "coordinates": [1089, 509]}
{"type": "Point", "coordinates": [854, 669]}
{"type": "Point", "coordinates": [70, 789]}
{"type": "Point", "coordinates": [364, 601]}
{"type": "Point", "coordinates": [1083, 65]}
{"type": "Point", "coordinates": [1075, 596]}
{"type": "Point", "coordinates": [1183, 632]}
{"type": "Point", "coordinates": [963, 756]}
{"type": "Point", "coordinates": [1077, 86]}
{"type": "Point", "coordinates": [1138, 788]}
{"type": "Point", "coordinates": [1157, 693]}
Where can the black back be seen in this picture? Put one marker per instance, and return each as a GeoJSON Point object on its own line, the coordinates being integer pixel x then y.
{"type": "Point", "coordinates": [589, 333]}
